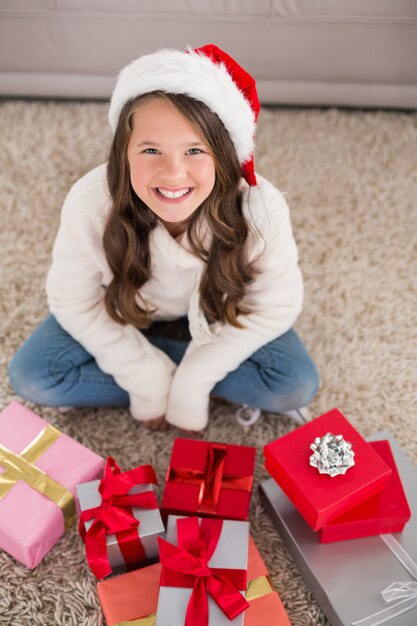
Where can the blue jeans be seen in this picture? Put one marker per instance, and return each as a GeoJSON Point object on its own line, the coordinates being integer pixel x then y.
{"type": "Point", "coordinates": [53, 369]}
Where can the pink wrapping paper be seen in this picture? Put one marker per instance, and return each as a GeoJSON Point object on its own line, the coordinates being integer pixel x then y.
{"type": "Point", "coordinates": [30, 524]}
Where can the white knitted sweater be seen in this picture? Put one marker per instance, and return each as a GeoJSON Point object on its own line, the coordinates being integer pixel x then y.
{"type": "Point", "coordinates": [156, 386]}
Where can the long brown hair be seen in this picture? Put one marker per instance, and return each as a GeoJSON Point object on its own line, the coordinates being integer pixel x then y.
{"type": "Point", "coordinates": [128, 226]}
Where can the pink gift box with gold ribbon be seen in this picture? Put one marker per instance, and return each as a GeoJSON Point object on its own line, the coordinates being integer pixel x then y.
{"type": "Point", "coordinates": [39, 469]}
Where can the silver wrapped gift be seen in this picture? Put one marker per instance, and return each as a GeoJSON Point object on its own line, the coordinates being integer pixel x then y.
{"type": "Point", "coordinates": [350, 578]}
{"type": "Point", "coordinates": [231, 552]}
{"type": "Point", "coordinates": [150, 528]}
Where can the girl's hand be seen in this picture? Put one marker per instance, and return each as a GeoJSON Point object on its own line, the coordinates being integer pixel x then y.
{"type": "Point", "coordinates": [159, 423]}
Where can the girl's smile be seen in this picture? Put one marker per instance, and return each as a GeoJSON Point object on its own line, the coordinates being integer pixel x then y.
{"type": "Point", "coordinates": [173, 195]}
{"type": "Point", "coordinates": [172, 169]}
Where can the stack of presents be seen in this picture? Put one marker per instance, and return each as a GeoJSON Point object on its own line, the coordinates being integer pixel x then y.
{"type": "Point", "coordinates": [341, 504]}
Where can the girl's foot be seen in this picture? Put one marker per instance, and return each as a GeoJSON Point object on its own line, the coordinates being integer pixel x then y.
{"type": "Point", "coordinates": [247, 415]}
{"type": "Point", "coordinates": [301, 415]}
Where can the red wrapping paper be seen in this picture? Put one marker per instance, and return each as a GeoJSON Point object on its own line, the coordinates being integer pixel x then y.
{"type": "Point", "coordinates": [320, 498]}
{"type": "Point", "coordinates": [386, 512]}
{"type": "Point", "coordinates": [209, 479]}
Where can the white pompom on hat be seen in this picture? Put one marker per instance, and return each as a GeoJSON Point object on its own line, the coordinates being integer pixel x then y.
{"type": "Point", "coordinates": [207, 74]}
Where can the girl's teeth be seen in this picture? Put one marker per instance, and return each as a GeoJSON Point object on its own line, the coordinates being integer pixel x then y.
{"type": "Point", "coordinates": [172, 195]}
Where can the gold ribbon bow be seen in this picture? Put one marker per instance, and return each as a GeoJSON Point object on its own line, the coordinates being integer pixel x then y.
{"type": "Point", "coordinates": [21, 467]}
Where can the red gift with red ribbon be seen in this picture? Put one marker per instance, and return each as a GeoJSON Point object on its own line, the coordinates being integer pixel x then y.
{"type": "Point", "coordinates": [209, 480]}
{"type": "Point", "coordinates": [120, 521]}
{"type": "Point", "coordinates": [204, 571]}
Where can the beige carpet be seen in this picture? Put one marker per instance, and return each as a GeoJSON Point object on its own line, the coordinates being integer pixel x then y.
{"type": "Point", "coordinates": [351, 182]}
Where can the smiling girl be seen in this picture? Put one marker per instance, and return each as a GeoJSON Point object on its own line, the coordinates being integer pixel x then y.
{"type": "Point", "coordinates": [175, 231]}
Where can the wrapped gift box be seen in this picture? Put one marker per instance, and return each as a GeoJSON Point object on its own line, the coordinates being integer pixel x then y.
{"type": "Point", "coordinates": [321, 498]}
{"type": "Point", "coordinates": [265, 606]}
{"type": "Point", "coordinates": [230, 555]}
{"type": "Point", "coordinates": [387, 512]}
{"type": "Point", "coordinates": [347, 577]}
{"type": "Point", "coordinates": [134, 596]}
{"type": "Point", "coordinates": [30, 522]}
{"type": "Point", "coordinates": [209, 479]}
{"type": "Point", "coordinates": [131, 597]}
{"type": "Point", "coordinates": [149, 529]}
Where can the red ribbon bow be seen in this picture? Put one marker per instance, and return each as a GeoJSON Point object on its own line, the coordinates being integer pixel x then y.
{"type": "Point", "coordinates": [186, 565]}
{"type": "Point", "coordinates": [114, 515]}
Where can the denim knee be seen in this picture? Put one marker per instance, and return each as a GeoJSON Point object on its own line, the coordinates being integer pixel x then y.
{"type": "Point", "coordinates": [18, 375]}
{"type": "Point", "coordinates": [308, 386]}
{"type": "Point", "coordinates": [53, 369]}
{"type": "Point", "coordinates": [292, 391]}
{"type": "Point", "coordinates": [30, 378]}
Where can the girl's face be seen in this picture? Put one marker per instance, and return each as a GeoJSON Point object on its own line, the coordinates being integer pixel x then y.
{"type": "Point", "coordinates": [171, 167]}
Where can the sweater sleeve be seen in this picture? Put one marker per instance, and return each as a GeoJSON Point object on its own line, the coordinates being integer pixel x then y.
{"type": "Point", "coordinates": [76, 297]}
{"type": "Point", "coordinates": [275, 299]}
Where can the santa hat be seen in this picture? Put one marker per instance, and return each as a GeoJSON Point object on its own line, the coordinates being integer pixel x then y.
{"type": "Point", "coordinates": [207, 74]}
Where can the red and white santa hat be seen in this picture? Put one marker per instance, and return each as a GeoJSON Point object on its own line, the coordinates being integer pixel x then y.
{"type": "Point", "coordinates": [207, 74]}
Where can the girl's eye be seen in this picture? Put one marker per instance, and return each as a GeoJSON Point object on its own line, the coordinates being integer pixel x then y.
{"type": "Point", "coordinates": [194, 151]}
{"type": "Point", "coordinates": [151, 151]}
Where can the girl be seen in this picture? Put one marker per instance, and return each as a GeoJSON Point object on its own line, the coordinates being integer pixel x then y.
{"type": "Point", "coordinates": [176, 225]}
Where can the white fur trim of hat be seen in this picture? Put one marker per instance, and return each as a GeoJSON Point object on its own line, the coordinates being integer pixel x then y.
{"type": "Point", "coordinates": [203, 75]}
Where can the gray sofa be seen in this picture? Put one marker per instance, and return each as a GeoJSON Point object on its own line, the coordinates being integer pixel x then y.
{"type": "Point", "coordinates": [360, 53]}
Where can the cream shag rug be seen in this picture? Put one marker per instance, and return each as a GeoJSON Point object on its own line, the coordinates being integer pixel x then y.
{"type": "Point", "coordinates": [351, 183]}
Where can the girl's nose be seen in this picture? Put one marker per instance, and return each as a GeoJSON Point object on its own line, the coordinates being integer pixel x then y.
{"type": "Point", "coordinates": [174, 167]}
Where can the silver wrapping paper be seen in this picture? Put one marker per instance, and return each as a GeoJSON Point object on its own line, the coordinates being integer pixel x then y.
{"type": "Point", "coordinates": [231, 551]}
{"type": "Point", "coordinates": [347, 577]}
{"type": "Point", "coordinates": [150, 528]}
